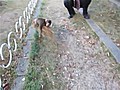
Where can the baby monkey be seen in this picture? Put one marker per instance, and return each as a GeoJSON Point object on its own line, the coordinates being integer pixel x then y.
{"type": "Point", "coordinates": [39, 23]}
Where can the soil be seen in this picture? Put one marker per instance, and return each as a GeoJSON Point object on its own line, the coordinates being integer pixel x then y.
{"type": "Point", "coordinates": [84, 61]}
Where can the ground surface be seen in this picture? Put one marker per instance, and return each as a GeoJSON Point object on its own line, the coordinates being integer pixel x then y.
{"type": "Point", "coordinates": [9, 13]}
{"type": "Point", "coordinates": [84, 62]}
{"type": "Point", "coordinates": [107, 16]}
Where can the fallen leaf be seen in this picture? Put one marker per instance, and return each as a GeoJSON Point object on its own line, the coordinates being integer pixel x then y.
{"type": "Point", "coordinates": [23, 79]}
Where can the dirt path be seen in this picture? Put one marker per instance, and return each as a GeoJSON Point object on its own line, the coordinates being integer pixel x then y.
{"type": "Point", "coordinates": [84, 61]}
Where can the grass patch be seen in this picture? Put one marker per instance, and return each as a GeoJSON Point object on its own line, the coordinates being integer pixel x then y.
{"type": "Point", "coordinates": [35, 46]}
{"type": "Point", "coordinates": [42, 73]}
{"type": "Point", "coordinates": [42, 8]}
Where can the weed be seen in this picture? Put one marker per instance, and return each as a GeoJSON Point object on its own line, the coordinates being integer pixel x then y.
{"type": "Point", "coordinates": [42, 8]}
{"type": "Point", "coordinates": [35, 46]}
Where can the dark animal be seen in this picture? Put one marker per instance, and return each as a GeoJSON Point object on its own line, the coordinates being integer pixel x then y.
{"type": "Point", "coordinates": [39, 23]}
{"type": "Point", "coordinates": [69, 4]}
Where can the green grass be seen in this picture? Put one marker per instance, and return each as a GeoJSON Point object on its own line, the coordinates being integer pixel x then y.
{"type": "Point", "coordinates": [42, 66]}
{"type": "Point", "coordinates": [31, 83]}
{"type": "Point", "coordinates": [35, 46]}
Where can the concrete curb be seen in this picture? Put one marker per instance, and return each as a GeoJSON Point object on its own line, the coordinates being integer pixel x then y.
{"type": "Point", "coordinates": [115, 2]}
{"type": "Point", "coordinates": [115, 51]}
{"type": "Point", "coordinates": [24, 62]}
